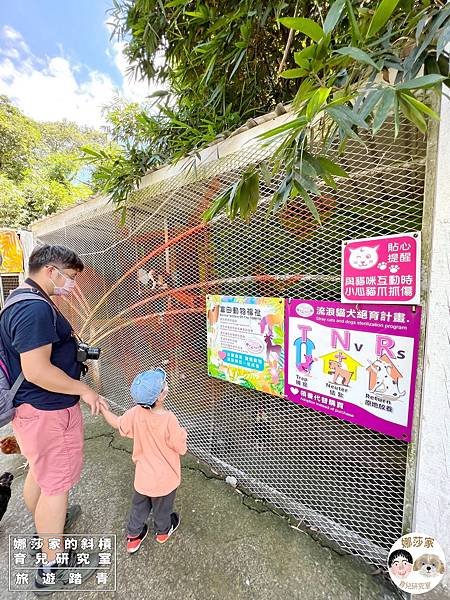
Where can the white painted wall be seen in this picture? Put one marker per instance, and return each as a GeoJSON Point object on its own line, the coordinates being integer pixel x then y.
{"type": "Point", "coordinates": [432, 500]}
{"type": "Point", "coordinates": [26, 239]}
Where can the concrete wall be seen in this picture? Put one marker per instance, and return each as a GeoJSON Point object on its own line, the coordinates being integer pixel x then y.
{"type": "Point", "coordinates": [432, 501]}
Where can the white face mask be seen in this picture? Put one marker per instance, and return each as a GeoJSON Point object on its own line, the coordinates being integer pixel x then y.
{"type": "Point", "coordinates": [66, 289]}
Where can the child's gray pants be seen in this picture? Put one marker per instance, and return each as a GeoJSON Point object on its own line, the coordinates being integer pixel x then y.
{"type": "Point", "coordinates": [140, 510]}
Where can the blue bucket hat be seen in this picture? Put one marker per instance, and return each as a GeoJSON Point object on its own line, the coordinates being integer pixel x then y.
{"type": "Point", "coordinates": [147, 386]}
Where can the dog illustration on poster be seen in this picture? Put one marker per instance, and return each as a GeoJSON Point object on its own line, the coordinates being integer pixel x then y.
{"type": "Point", "coordinates": [384, 378]}
{"type": "Point", "coordinates": [341, 366]}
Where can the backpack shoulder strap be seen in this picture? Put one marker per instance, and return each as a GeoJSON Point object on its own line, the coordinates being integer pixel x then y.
{"type": "Point", "coordinates": [16, 385]}
{"type": "Point", "coordinates": [22, 296]}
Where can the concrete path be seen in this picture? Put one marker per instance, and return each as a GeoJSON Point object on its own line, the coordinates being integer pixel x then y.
{"type": "Point", "coordinates": [227, 548]}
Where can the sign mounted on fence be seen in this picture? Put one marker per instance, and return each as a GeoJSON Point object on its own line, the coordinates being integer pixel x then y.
{"type": "Point", "coordinates": [354, 362]}
{"type": "Point", "coordinates": [246, 341]}
{"type": "Point", "coordinates": [11, 253]}
{"type": "Point", "coordinates": [382, 270]}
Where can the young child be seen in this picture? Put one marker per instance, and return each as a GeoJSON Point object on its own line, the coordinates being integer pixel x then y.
{"type": "Point", "coordinates": [158, 443]}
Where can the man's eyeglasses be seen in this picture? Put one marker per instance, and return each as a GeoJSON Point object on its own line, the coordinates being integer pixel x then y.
{"type": "Point", "coordinates": [72, 277]}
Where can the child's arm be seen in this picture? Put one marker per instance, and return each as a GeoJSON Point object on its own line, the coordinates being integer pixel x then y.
{"type": "Point", "coordinates": [123, 423]}
{"type": "Point", "coordinates": [177, 436]}
{"type": "Point", "coordinates": [110, 417]}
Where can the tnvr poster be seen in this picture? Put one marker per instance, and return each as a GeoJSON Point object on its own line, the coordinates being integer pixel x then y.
{"type": "Point", "coordinates": [246, 341]}
{"type": "Point", "coordinates": [355, 362]}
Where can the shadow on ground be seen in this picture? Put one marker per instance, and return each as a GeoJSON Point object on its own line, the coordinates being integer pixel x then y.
{"type": "Point", "coordinates": [224, 549]}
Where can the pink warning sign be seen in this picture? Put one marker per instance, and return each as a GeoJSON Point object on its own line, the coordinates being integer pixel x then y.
{"type": "Point", "coordinates": [382, 270]}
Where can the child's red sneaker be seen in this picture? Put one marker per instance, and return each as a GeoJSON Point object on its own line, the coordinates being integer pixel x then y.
{"type": "Point", "coordinates": [163, 537]}
{"type": "Point", "coordinates": [134, 542]}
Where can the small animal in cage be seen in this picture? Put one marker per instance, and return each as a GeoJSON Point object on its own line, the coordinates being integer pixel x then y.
{"type": "Point", "coordinates": [363, 257]}
{"type": "Point", "coordinates": [339, 372]}
{"type": "Point", "coordinates": [146, 278]}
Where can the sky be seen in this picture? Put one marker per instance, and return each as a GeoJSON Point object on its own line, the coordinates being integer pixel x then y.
{"type": "Point", "coordinates": [57, 60]}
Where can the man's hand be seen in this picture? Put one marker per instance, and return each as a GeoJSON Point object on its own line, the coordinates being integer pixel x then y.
{"type": "Point", "coordinates": [104, 405]}
{"type": "Point", "coordinates": [94, 400]}
{"type": "Point", "coordinates": [109, 416]}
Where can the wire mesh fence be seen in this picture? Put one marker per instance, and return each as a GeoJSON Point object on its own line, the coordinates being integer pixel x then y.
{"type": "Point", "coordinates": [142, 299]}
{"type": "Point", "coordinates": [8, 283]}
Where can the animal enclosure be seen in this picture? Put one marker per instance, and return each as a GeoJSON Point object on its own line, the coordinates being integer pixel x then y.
{"type": "Point", "coordinates": [142, 299]}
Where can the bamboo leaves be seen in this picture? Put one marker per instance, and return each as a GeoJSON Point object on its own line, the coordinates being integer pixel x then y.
{"type": "Point", "coordinates": [384, 108]}
{"type": "Point", "coordinates": [333, 16]}
{"type": "Point", "coordinates": [241, 198]}
{"type": "Point", "coordinates": [358, 54]}
{"type": "Point", "coordinates": [381, 16]}
{"type": "Point", "coordinates": [424, 83]}
{"type": "Point", "coordinates": [347, 67]}
{"type": "Point", "coordinates": [307, 26]}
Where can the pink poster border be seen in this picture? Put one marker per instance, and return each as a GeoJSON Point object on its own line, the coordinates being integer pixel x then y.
{"type": "Point", "coordinates": [411, 302]}
{"type": "Point", "coordinates": [359, 416]}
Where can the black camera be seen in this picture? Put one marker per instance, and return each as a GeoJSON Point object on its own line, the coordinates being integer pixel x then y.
{"type": "Point", "coordinates": [86, 352]}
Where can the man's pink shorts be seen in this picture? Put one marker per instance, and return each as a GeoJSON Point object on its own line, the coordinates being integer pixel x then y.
{"type": "Point", "coordinates": [52, 441]}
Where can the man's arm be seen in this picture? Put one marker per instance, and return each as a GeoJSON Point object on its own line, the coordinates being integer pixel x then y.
{"type": "Point", "coordinates": [38, 369]}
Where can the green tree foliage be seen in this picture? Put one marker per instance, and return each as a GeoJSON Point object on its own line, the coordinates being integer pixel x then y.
{"type": "Point", "coordinates": [219, 63]}
{"type": "Point", "coordinates": [40, 166]}
{"type": "Point", "coordinates": [345, 65]}
{"type": "Point", "coordinates": [18, 138]}
{"type": "Point", "coordinates": [13, 212]}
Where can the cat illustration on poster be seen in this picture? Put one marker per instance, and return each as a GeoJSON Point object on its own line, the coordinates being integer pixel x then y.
{"type": "Point", "coordinates": [363, 257]}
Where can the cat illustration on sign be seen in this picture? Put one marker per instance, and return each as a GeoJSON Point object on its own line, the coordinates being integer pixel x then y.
{"type": "Point", "coordinates": [306, 364]}
{"type": "Point", "coordinates": [304, 347]}
{"type": "Point", "coordinates": [384, 378]}
{"type": "Point", "coordinates": [363, 257]}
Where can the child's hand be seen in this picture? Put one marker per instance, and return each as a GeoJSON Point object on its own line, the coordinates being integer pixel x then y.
{"type": "Point", "coordinates": [104, 406]}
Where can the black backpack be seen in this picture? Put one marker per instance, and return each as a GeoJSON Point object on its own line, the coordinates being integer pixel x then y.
{"type": "Point", "coordinates": [8, 388]}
